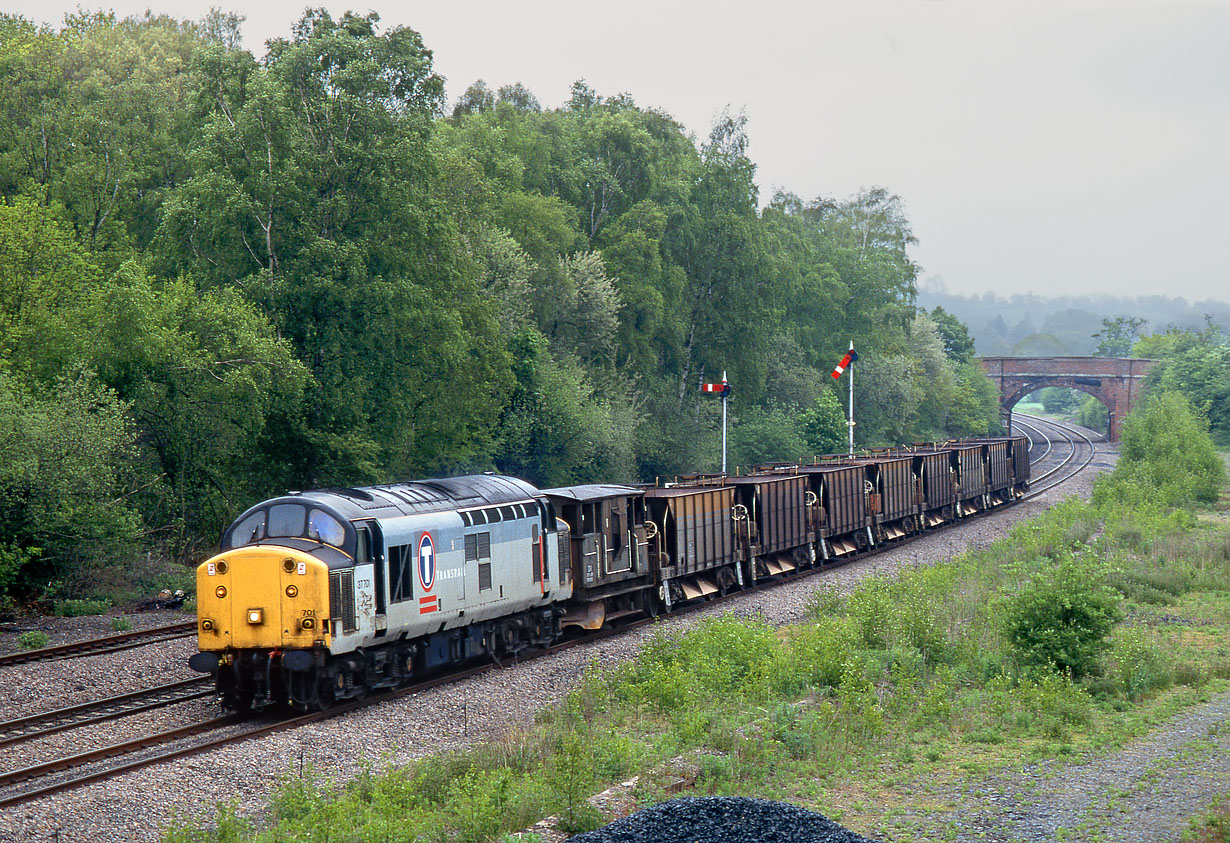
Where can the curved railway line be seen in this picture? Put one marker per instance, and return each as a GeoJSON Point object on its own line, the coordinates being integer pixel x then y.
{"type": "Point", "coordinates": [1080, 452]}
{"type": "Point", "coordinates": [54, 776]}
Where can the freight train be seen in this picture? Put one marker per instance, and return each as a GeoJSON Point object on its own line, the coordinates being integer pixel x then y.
{"type": "Point", "coordinates": [323, 596]}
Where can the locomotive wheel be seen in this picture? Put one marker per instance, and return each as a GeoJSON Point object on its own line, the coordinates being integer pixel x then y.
{"type": "Point", "coordinates": [238, 700]}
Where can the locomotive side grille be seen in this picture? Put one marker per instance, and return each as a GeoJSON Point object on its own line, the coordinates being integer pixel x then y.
{"type": "Point", "coordinates": [341, 599]}
{"type": "Point", "coordinates": [565, 540]}
{"type": "Point", "coordinates": [484, 576]}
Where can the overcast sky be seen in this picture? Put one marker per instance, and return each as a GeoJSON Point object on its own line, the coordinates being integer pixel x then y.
{"type": "Point", "coordinates": [1046, 146]}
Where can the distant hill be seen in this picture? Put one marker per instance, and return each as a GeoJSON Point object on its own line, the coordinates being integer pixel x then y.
{"type": "Point", "coordinates": [1064, 325]}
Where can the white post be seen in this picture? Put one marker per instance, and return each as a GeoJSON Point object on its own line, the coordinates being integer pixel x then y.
{"type": "Point", "coordinates": [851, 421]}
{"type": "Point", "coordinates": [723, 422]}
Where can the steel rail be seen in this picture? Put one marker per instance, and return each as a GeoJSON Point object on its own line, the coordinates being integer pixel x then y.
{"type": "Point", "coordinates": [1072, 435]}
{"type": "Point", "coordinates": [106, 644]}
{"type": "Point", "coordinates": [111, 708]}
{"type": "Point", "coordinates": [1041, 437]}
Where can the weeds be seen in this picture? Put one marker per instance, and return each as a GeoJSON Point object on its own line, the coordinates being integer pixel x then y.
{"type": "Point", "coordinates": [32, 639]}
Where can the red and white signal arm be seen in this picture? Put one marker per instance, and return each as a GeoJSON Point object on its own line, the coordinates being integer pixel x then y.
{"type": "Point", "coordinates": [722, 388]}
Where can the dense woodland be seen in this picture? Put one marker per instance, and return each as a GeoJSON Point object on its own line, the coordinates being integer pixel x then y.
{"type": "Point", "coordinates": [224, 275]}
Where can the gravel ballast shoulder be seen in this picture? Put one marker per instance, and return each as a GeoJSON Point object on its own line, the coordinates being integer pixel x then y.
{"type": "Point", "coordinates": [722, 820]}
{"type": "Point", "coordinates": [136, 806]}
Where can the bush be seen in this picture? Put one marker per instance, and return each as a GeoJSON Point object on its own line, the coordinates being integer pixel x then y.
{"type": "Point", "coordinates": [80, 608]}
{"type": "Point", "coordinates": [1139, 664]}
{"type": "Point", "coordinates": [1166, 457]}
{"type": "Point", "coordinates": [33, 639]}
{"type": "Point", "coordinates": [120, 624]}
{"type": "Point", "coordinates": [1062, 617]}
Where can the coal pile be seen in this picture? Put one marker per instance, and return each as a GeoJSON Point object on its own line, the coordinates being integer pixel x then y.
{"type": "Point", "coordinates": [722, 819]}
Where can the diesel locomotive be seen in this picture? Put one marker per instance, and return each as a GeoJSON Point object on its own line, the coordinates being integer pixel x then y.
{"type": "Point", "coordinates": [328, 595]}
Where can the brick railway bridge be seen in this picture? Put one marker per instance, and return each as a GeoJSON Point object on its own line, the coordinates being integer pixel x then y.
{"type": "Point", "coordinates": [1115, 381]}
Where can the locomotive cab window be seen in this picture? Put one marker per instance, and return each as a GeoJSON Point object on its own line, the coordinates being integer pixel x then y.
{"type": "Point", "coordinates": [286, 519]}
{"type": "Point", "coordinates": [325, 528]}
{"type": "Point", "coordinates": [249, 531]}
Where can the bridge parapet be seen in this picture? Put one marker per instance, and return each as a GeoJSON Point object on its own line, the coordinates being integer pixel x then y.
{"type": "Point", "coordinates": [1115, 381]}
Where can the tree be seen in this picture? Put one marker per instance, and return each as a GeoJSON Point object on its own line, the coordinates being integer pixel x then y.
{"type": "Point", "coordinates": [202, 375]}
{"type": "Point", "coordinates": [65, 483]}
{"type": "Point", "coordinates": [823, 426]}
{"type": "Point", "coordinates": [1117, 335]}
{"type": "Point", "coordinates": [958, 344]}
{"type": "Point", "coordinates": [477, 99]}
{"type": "Point", "coordinates": [313, 195]}
{"type": "Point", "coordinates": [518, 97]}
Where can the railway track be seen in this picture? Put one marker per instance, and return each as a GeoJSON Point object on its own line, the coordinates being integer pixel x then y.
{"type": "Point", "coordinates": [69, 772]}
{"type": "Point", "coordinates": [105, 644]}
{"type": "Point", "coordinates": [45, 779]}
{"type": "Point", "coordinates": [1080, 452]}
{"type": "Point", "coordinates": [45, 723]}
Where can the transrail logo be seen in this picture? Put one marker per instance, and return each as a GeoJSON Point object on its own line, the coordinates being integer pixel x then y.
{"type": "Point", "coordinates": [427, 562]}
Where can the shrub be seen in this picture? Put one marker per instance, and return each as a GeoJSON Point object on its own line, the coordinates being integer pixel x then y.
{"type": "Point", "coordinates": [1062, 617]}
{"type": "Point", "coordinates": [1166, 458]}
{"type": "Point", "coordinates": [80, 608]}
{"type": "Point", "coordinates": [120, 624]}
{"type": "Point", "coordinates": [33, 639]}
{"type": "Point", "coordinates": [1139, 664]}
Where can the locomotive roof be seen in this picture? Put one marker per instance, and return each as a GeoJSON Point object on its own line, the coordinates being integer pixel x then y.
{"type": "Point", "coordinates": [592, 492]}
{"type": "Point", "coordinates": [423, 496]}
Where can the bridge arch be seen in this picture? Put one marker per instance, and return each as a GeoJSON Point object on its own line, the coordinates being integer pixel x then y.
{"type": "Point", "coordinates": [1115, 381]}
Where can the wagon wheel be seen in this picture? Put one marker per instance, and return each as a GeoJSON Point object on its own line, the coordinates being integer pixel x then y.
{"type": "Point", "coordinates": [725, 580]}
{"type": "Point", "coordinates": [801, 557]}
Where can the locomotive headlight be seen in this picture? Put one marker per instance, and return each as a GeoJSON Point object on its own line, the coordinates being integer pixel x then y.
{"type": "Point", "coordinates": [309, 623]}
{"type": "Point", "coordinates": [291, 591]}
{"type": "Point", "coordinates": [207, 624]}
{"type": "Point", "coordinates": [220, 591]}
{"type": "Point", "coordinates": [255, 616]}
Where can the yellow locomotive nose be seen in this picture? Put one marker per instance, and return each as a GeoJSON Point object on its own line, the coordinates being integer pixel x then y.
{"type": "Point", "coordinates": [262, 597]}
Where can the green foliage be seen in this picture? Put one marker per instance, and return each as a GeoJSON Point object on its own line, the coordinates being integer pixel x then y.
{"type": "Point", "coordinates": [823, 425]}
{"type": "Point", "coordinates": [1197, 364]}
{"type": "Point", "coordinates": [63, 479]}
{"type": "Point", "coordinates": [32, 639]}
{"type": "Point", "coordinates": [570, 776]}
{"type": "Point", "coordinates": [762, 436]}
{"type": "Point", "coordinates": [558, 428]}
{"type": "Point", "coordinates": [12, 559]}
{"type": "Point", "coordinates": [1062, 617]}
{"type": "Point", "coordinates": [80, 608]}
{"type": "Point", "coordinates": [1138, 663]}
{"type": "Point", "coordinates": [1116, 337]}
{"type": "Point", "coordinates": [1092, 414]}
{"type": "Point", "coordinates": [120, 624]}
{"type": "Point", "coordinates": [1166, 456]}
{"type": "Point", "coordinates": [958, 344]}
